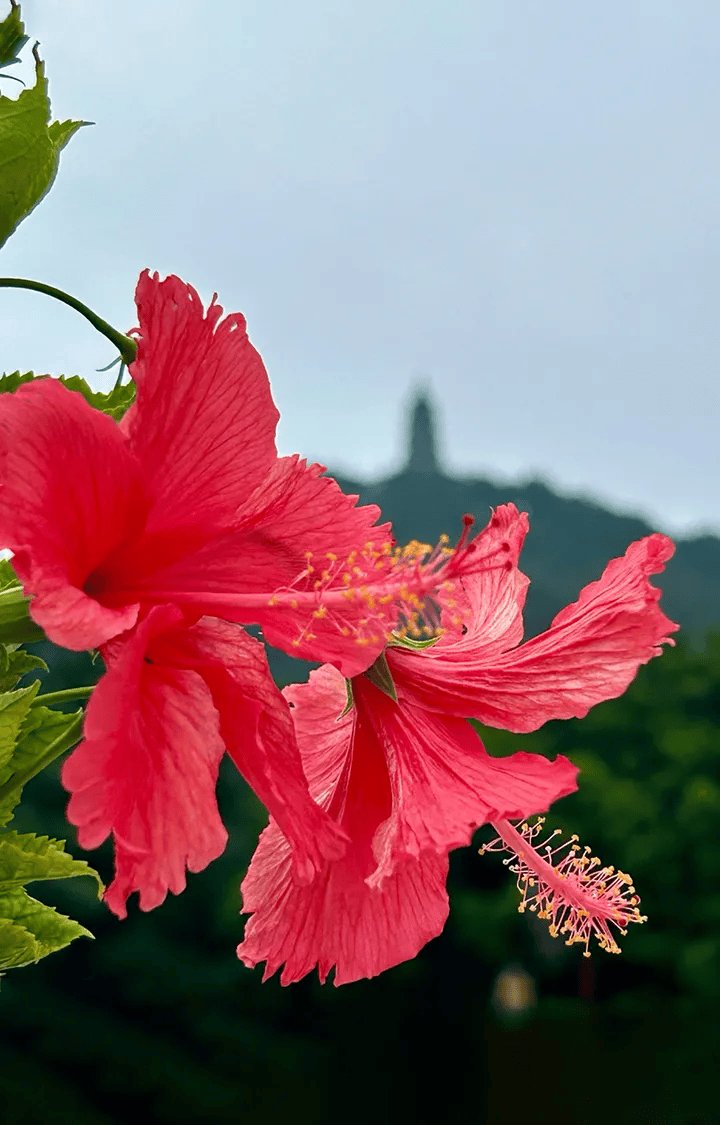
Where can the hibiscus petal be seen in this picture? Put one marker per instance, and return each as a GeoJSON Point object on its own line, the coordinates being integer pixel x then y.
{"type": "Point", "coordinates": [284, 568]}
{"type": "Point", "coordinates": [385, 898]}
{"type": "Point", "coordinates": [203, 424]}
{"type": "Point", "coordinates": [257, 730]}
{"type": "Point", "coordinates": [338, 921]}
{"type": "Point", "coordinates": [147, 770]}
{"type": "Point", "coordinates": [331, 538]}
{"type": "Point", "coordinates": [444, 783]}
{"type": "Point", "coordinates": [488, 604]}
{"type": "Point", "coordinates": [324, 729]}
{"type": "Point", "coordinates": [71, 493]}
{"type": "Point", "coordinates": [590, 653]}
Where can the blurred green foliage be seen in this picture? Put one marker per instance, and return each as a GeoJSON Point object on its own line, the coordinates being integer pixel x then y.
{"type": "Point", "coordinates": [158, 1017]}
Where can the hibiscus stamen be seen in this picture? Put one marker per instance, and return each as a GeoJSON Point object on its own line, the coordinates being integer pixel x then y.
{"type": "Point", "coordinates": [390, 586]}
{"type": "Point", "coordinates": [567, 885]}
{"type": "Point", "coordinates": [373, 594]}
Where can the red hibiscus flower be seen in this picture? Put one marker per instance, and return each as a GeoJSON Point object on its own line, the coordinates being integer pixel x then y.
{"type": "Point", "coordinates": [408, 778]}
{"type": "Point", "coordinates": [136, 537]}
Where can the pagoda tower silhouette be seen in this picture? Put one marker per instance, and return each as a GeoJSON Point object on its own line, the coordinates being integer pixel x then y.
{"type": "Point", "coordinates": [422, 436]}
{"type": "Point", "coordinates": [572, 537]}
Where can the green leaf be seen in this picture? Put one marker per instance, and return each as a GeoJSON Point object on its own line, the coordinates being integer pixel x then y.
{"type": "Point", "coordinates": [16, 624]}
{"type": "Point", "coordinates": [8, 577]}
{"type": "Point", "coordinates": [14, 709]}
{"type": "Point", "coordinates": [12, 37]}
{"type": "Point", "coordinates": [17, 945]}
{"type": "Point", "coordinates": [114, 402]}
{"type": "Point", "coordinates": [60, 132]}
{"type": "Point", "coordinates": [29, 151]}
{"type": "Point", "coordinates": [30, 930]}
{"type": "Point", "coordinates": [26, 857]}
{"type": "Point", "coordinates": [41, 728]}
{"type": "Point", "coordinates": [14, 664]}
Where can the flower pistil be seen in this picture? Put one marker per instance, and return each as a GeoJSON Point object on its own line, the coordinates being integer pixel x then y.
{"type": "Point", "coordinates": [567, 885]}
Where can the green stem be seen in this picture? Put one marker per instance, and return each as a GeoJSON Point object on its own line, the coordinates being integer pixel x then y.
{"type": "Point", "coordinates": [64, 696]}
{"type": "Point", "coordinates": [126, 346]}
{"type": "Point", "coordinates": [64, 742]}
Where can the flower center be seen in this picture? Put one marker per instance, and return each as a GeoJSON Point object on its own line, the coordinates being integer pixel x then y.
{"type": "Point", "coordinates": [399, 591]}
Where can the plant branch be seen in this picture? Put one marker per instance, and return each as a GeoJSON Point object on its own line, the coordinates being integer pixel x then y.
{"type": "Point", "coordinates": [126, 346]}
{"type": "Point", "coordinates": [64, 696]}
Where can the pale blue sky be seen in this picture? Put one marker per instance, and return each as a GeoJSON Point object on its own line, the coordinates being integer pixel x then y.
{"type": "Point", "coordinates": [519, 201]}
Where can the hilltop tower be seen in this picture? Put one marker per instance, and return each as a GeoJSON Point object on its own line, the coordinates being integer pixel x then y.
{"type": "Point", "coordinates": [422, 452]}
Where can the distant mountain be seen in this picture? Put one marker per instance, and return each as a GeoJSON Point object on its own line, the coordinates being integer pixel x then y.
{"type": "Point", "coordinates": [569, 543]}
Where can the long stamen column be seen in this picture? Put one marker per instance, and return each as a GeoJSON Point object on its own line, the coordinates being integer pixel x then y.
{"type": "Point", "coordinates": [567, 886]}
{"type": "Point", "coordinates": [370, 595]}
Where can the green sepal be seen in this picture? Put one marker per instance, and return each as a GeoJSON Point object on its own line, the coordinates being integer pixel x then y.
{"type": "Point", "coordinates": [12, 37]}
{"type": "Point", "coordinates": [115, 402]}
{"type": "Point", "coordinates": [30, 929]}
{"type": "Point", "coordinates": [29, 151]}
{"type": "Point", "coordinates": [412, 643]}
{"type": "Point", "coordinates": [350, 702]}
{"type": "Point", "coordinates": [11, 382]}
{"type": "Point", "coordinates": [379, 674]}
